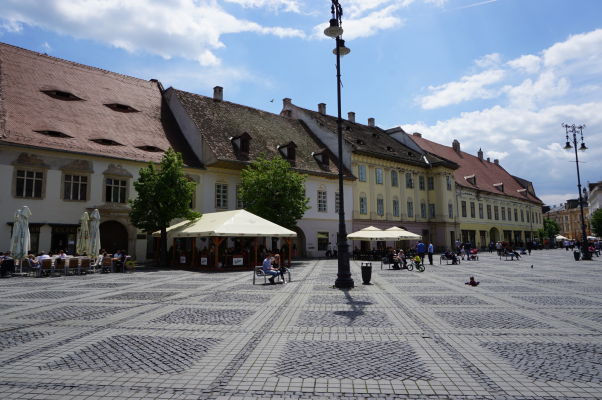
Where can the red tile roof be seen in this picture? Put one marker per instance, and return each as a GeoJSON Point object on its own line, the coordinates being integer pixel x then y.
{"type": "Point", "coordinates": [25, 109]}
{"type": "Point", "coordinates": [487, 173]}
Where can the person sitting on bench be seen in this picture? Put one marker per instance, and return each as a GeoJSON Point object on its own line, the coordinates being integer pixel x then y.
{"type": "Point", "coordinates": [268, 269]}
{"type": "Point", "coordinates": [450, 255]}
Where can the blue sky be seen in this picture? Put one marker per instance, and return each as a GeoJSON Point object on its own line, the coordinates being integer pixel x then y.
{"type": "Point", "coordinates": [501, 75]}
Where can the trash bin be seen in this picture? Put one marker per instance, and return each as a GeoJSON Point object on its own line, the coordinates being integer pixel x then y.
{"type": "Point", "coordinates": [577, 255]}
{"type": "Point", "coordinates": [366, 272]}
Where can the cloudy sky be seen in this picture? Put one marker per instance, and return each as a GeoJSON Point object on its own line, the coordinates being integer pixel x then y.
{"type": "Point", "coordinates": [501, 75]}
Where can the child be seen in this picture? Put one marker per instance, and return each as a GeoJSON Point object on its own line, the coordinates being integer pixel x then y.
{"type": "Point", "coordinates": [472, 282]}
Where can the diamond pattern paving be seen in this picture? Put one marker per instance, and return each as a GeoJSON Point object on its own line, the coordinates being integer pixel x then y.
{"type": "Point", "coordinates": [344, 318]}
{"type": "Point", "coordinates": [490, 320]}
{"type": "Point", "coordinates": [359, 300]}
{"type": "Point", "coordinates": [450, 300]}
{"type": "Point", "coordinates": [140, 296]}
{"type": "Point", "coordinates": [49, 294]}
{"type": "Point", "coordinates": [577, 362]}
{"type": "Point", "coordinates": [227, 297]}
{"type": "Point", "coordinates": [10, 339]}
{"type": "Point", "coordinates": [205, 317]}
{"type": "Point", "coordinates": [558, 300]}
{"type": "Point", "coordinates": [84, 312]}
{"type": "Point", "coordinates": [137, 354]}
{"type": "Point", "coordinates": [359, 360]}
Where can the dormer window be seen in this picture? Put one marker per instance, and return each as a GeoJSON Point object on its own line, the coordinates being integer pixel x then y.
{"type": "Point", "coordinates": [241, 144]}
{"type": "Point", "coordinates": [472, 179]}
{"type": "Point", "coordinates": [106, 142]}
{"type": "Point", "coordinates": [360, 141]}
{"type": "Point", "coordinates": [321, 158]}
{"type": "Point", "coordinates": [55, 134]}
{"type": "Point", "coordinates": [522, 191]}
{"type": "Point", "coordinates": [61, 95]}
{"type": "Point", "coordinates": [288, 151]}
{"type": "Point", "coordinates": [389, 148]}
{"type": "Point", "coordinates": [124, 108]}
{"type": "Point", "coordinates": [499, 186]}
{"type": "Point", "coordinates": [149, 148]}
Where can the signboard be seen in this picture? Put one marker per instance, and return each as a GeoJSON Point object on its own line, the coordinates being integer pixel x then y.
{"type": "Point", "coordinates": [237, 261]}
{"type": "Point", "coordinates": [203, 260]}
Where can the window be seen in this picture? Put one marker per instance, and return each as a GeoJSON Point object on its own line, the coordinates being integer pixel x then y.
{"type": "Point", "coordinates": [496, 213]}
{"type": "Point", "coordinates": [430, 183]}
{"type": "Point", "coordinates": [380, 206]}
{"type": "Point", "coordinates": [509, 214]}
{"type": "Point", "coordinates": [410, 209]}
{"type": "Point", "coordinates": [481, 211]}
{"type": "Point", "coordinates": [322, 241]}
{"type": "Point", "coordinates": [516, 215]}
{"type": "Point", "coordinates": [503, 213]}
{"type": "Point", "coordinates": [394, 178]}
{"type": "Point", "coordinates": [124, 108]}
{"type": "Point", "coordinates": [472, 210]}
{"type": "Point", "coordinates": [75, 187]}
{"type": "Point", "coordinates": [448, 182]}
{"type": "Point", "coordinates": [337, 202]}
{"type": "Point", "coordinates": [322, 205]}
{"type": "Point", "coordinates": [396, 208]}
{"type": "Point", "coordinates": [431, 210]}
{"type": "Point", "coordinates": [463, 209]}
{"type": "Point", "coordinates": [363, 205]}
{"type": "Point", "coordinates": [409, 180]}
{"type": "Point", "coordinates": [29, 184]}
{"type": "Point", "coordinates": [239, 203]}
{"type": "Point", "coordinates": [379, 176]}
{"type": "Point", "coordinates": [528, 212]}
{"type": "Point", "coordinates": [115, 190]}
{"type": "Point", "coordinates": [422, 210]}
{"type": "Point", "coordinates": [450, 210]}
{"type": "Point", "coordinates": [421, 182]}
{"type": "Point", "coordinates": [522, 216]}
{"type": "Point", "coordinates": [221, 195]}
{"type": "Point", "coordinates": [488, 211]}
{"type": "Point", "coordinates": [361, 171]}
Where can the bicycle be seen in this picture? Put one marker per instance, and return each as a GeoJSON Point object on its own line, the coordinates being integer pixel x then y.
{"type": "Point", "coordinates": [419, 265]}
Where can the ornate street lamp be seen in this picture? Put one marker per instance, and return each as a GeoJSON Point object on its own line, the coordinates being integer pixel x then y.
{"type": "Point", "coordinates": [335, 30]}
{"type": "Point", "coordinates": [573, 130]}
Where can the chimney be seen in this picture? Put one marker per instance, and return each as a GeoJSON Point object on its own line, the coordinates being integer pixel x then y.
{"type": "Point", "coordinates": [218, 93]}
{"type": "Point", "coordinates": [371, 122]}
{"type": "Point", "coordinates": [417, 134]}
{"type": "Point", "coordinates": [322, 108]}
{"type": "Point", "coordinates": [287, 113]}
{"type": "Point", "coordinates": [480, 154]}
{"type": "Point", "coordinates": [488, 159]}
{"type": "Point", "coordinates": [456, 145]}
{"type": "Point", "coordinates": [351, 116]}
{"type": "Point", "coordinates": [286, 102]}
{"type": "Point", "coordinates": [496, 161]}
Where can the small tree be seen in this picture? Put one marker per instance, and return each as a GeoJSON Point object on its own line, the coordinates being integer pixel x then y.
{"type": "Point", "coordinates": [272, 190]}
{"type": "Point", "coordinates": [551, 229]}
{"type": "Point", "coordinates": [163, 195]}
{"type": "Point", "coordinates": [596, 222]}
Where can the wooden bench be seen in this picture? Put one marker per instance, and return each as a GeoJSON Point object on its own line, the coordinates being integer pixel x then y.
{"type": "Point", "coordinates": [447, 260]}
{"type": "Point", "coordinates": [258, 272]}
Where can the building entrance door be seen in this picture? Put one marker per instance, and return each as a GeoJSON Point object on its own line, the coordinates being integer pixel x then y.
{"type": "Point", "coordinates": [113, 237]}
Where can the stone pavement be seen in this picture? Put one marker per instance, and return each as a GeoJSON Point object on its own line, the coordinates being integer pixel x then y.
{"type": "Point", "coordinates": [524, 333]}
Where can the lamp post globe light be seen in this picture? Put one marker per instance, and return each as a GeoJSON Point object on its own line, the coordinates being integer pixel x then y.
{"type": "Point", "coordinates": [335, 30]}
{"type": "Point", "coordinates": [572, 129]}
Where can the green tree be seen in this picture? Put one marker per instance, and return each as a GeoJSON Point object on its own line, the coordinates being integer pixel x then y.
{"type": "Point", "coordinates": [596, 222]}
{"type": "Point", "coordinates": [272, 190]}
{"type": "Point", "coordinates": [164, 193]}
{"type": "Point", "coordinates": [551, 229]}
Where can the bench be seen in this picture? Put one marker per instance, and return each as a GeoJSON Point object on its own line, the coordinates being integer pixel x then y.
{"type": "Point", "coordinates": [508, 256]}
{"type": "Point", "coordinates": [447, 260]}
{"type": "Point", "coordinates": [258, 272]}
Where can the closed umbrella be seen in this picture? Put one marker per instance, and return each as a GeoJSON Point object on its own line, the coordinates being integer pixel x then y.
{"type": "Point", "coordinates": [14, 239]}
{"type": "Point", "coordinates": [25, 237]}
{"type": "Point", "coordinates": [83, 235]}
{"type": "Point", "coordinates": [94, 233]}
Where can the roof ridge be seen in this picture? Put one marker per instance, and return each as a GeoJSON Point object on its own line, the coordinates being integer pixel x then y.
{"type": "Point", "coordinates": [72, 63]}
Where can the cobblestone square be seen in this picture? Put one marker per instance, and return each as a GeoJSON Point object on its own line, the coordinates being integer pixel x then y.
{"type": "Point", "coordinates": [523, 333]}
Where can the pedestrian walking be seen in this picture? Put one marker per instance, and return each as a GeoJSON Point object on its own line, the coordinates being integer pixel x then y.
{"type": "Point", "coordinates": [430, 251]}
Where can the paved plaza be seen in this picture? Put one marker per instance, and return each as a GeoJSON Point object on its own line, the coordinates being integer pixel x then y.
{"type": "Point", "coordinates": [524, 333]}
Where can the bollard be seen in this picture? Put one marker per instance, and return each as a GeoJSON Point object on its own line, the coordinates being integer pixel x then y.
{"type": "Point", "coordinates": [366, 272]}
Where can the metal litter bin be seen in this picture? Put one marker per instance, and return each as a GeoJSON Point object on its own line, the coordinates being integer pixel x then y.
{"type": "Point", "coordinates": [366, 272]}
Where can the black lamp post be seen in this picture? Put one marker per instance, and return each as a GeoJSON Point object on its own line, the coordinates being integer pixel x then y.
{"type": "Point", "coordinates": [335, 30]}
{"type": "Point", "coordinates": [572, 129]}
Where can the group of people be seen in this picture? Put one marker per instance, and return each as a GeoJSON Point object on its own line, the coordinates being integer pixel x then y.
{"type": "Point", "coordinates": [272, 266]}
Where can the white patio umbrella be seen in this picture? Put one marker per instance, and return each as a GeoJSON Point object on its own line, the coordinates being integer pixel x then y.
{"type": "Point", "coordinates": [20, 241]}
{"type": "Point", "coordinates": [403, 234]}
{"type": "Point", "coordinates": [14, 239]}
{"type": "Point", "coordinates": [94, 233]}
{"type": "Point", "coordinates": [83, 235]}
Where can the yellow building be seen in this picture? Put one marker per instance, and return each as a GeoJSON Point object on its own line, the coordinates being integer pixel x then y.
{"type": "Point", "coordinates": [568, 218]}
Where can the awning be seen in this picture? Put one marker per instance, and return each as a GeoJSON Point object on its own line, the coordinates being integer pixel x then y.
{"type": "Point", "coordinates": [374, 234]}
{"type": "Point", "coordinates": [234, 223]}
{"type": "Point", "coordinates": [403, 234]}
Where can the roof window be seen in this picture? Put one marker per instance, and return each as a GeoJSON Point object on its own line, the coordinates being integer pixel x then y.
{"type": "Point", "coordinates": [472, 179]}
{"type": "Point", "coordinates": [499, 186]}
{"type": "Point", "coordinates": [241, 144]}
{"type": "Point", "coordinates": [321, 157]}
{"type": "Point", "coordinates": [288, 150]}
{"type": "Point", "coordinates": [55, 134]}
{"type": "Point", "coordinates": [389, 148]}
{"type": "Point", "coordinates": [106, 142]}
{"type": "Point", "coordinates": [124, 108]}
{"type": "Point", "coordinates": [61, 95]}
{"type": "Point", "coordinates": [149, 148]}
{"type": "Point", "coordinates": [360, 141]}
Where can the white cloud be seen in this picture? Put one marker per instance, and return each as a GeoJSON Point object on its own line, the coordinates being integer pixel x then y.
{"type": "Point", "coordinates": [467, 88]}
{"type": "Point", "coordinates": [47, 48]}
{"type": "Point", "coordinates": [585, 46]}
{"type": "Point", "coordinates": [496, 155]}
{"type": "Point", "coordinates": [557, 199]}
{"type": "Point", "coordinates": [171, 28]}
{"type": "Point", "coordinates": [530, 93]}
{"type": "Point", "coordinates": [529, 63]}
{"type": "Point", "coordinates": [492, 60]}
{"type": "Point", "coordinates": [286, 5]}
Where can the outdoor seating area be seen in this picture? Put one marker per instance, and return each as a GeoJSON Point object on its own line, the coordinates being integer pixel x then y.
{"type": "Point", "coordinates": [70, 265]}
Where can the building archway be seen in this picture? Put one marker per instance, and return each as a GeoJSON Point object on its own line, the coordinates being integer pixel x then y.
{"type": "Point", "coordinates": [494, 235]}
{"type": "Point", "coordinates": [113, 236]}
{"type": "Point", "coordinates": [298, 244]}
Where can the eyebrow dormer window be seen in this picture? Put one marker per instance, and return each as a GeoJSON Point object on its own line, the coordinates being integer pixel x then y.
{"type": "Point", "coordinates": [151, 149]}
{"type": "Point", "coordinates": [121, 108]}
{"type": "Point", "coordinates": [61, 95]}
{"type": "Point", "coordinates": [288, 151]}
{"type": "Point", "coordinates": [472, 179]}
{"type": "Point", "coordinates": [499, 186]}
{"type": "Point", "coordinates": [106, 142]}
{"type": "Point", "coordinates": [321, 157]}
{"type": "Point", "coordinates": [241, 144]}
{"type": "Point", "coordinates": [55, 134]}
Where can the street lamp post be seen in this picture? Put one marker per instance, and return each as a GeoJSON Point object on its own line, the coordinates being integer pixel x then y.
{"type": "Point", "coordinates": [335, 30]}
{"type": "Point", "coordinates": [572, 129]}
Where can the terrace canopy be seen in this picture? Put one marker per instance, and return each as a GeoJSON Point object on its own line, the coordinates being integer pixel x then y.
{"type": "Point", "coordinates": [374, 234]}
{"type": "Point", "coordinates": [235, 223]}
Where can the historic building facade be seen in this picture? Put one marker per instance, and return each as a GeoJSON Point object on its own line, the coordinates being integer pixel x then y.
{"type": "Point", "coordinates": [568, 218]}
